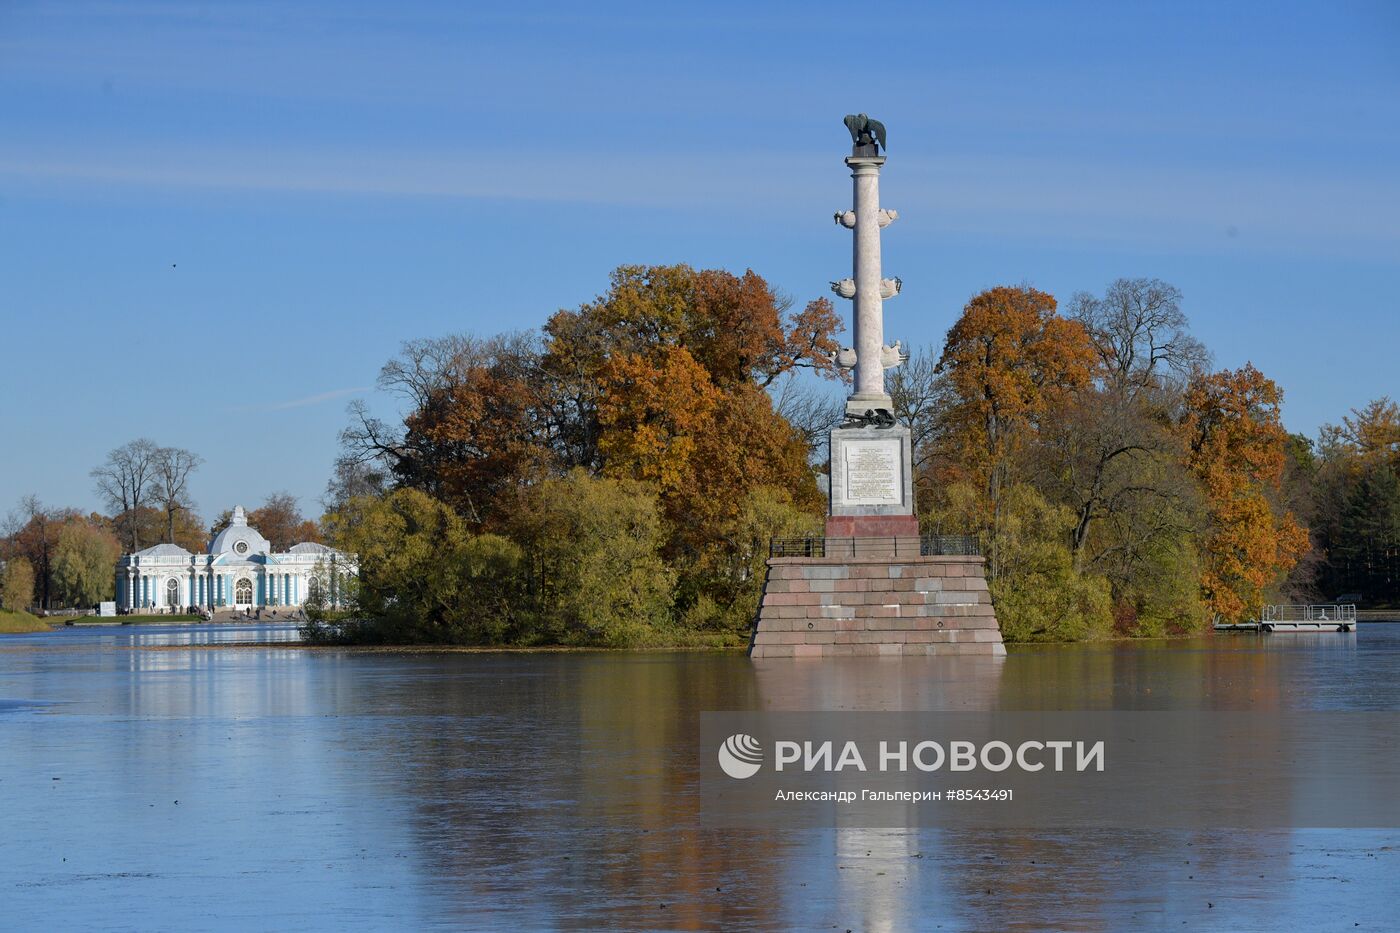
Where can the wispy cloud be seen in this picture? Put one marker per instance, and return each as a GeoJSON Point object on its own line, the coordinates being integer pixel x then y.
{"type": "Point", "coordinates": [1139, 201]}
{"type": "Point", "coordinates": [316, 399]}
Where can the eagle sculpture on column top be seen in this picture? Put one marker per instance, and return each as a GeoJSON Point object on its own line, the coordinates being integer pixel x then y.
{"type": "Point", "coordinates": [863, 129]}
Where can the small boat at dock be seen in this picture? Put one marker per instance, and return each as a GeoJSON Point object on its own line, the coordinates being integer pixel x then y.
{"type": "Point", "coordinates": [1330, 617]}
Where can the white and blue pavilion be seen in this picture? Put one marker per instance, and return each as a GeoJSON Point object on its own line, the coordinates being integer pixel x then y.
{"type": "Point", "coordinates": [240, 571]}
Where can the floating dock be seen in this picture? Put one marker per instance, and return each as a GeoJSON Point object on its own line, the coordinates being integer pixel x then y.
{"type": "Point", "coordinates": [1332, 617]}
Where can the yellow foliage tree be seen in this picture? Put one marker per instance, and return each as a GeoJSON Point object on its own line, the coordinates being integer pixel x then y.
{"type": "Point", "coordinates": [17, 585]}
{"type": "Point", "coordinates": [653, 414]}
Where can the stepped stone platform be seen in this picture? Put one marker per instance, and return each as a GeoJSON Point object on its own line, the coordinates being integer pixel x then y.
{"type": "Point", "coordinates": [875, 604]}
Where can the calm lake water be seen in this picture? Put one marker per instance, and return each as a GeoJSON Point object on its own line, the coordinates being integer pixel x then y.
{"type": "Point", "coordinates": [151, 783]}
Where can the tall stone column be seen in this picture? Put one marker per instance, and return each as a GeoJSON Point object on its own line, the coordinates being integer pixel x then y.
{"type": "Point", "coordinates": [872, 585]}
{"type": "Point", "coordinates": [868, 320]}
{"type": "Point", "coordinates": [872, 486]}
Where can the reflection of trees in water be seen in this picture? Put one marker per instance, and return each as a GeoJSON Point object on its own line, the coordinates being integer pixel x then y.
{"type": "Point", "coordinates": [867, 878]}
{"type": "Point", "coordinates": [566, 786]}
{"type": "Point", "coordinates": [1244, 672]}
{"type": "Point", "coordinates": [1005, 876]}
{"type": "Point", "coordinates": [1091, 880]}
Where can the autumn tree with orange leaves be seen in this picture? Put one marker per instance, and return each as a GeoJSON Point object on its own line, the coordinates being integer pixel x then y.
{"type": "Point", "coordinates": [662, 380]}
{"type": "Point", "coordinates": [1118, 485]}
{"type": "Point", "coordinates": [1236, 439]}
{"type": "Point", "coordinates": [1011, 361]}
{"type": "Point", "coordinates": [680, 360]}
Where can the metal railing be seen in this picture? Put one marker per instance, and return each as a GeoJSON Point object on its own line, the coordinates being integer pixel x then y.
{"type": "Point", "coordinates": [1328, 612]}
{"type": "Point", "coordinates": [908, 546]}
{"type": "Point", "coordinates": [950, 545]}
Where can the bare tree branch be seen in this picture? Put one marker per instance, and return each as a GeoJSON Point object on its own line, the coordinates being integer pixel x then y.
{"type": "Point", "coordinates": [126, 481]}
{"type": "Point", "coordinates": [173, 466]}
{"type": "Point", "coordinates": [1140, 333]}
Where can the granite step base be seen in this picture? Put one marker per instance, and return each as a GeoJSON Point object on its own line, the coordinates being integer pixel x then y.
{"type": "Point", "coordinates": [875, 605]}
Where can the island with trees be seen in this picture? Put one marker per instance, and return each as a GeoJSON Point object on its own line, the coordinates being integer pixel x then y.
{"type": "Point", "coordinates": [613, 479]}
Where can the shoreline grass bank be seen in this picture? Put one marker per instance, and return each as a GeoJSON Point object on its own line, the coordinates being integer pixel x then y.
{"type": "Point", "coordinates": [22, 623]}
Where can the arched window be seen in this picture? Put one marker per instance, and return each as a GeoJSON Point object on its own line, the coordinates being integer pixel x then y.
{"type": "Point", "coordinates": [243, 592]}
{"type": "Point", "coordinates": [172, 592]}
{"type": "Point", "coordinates": [313, 589]}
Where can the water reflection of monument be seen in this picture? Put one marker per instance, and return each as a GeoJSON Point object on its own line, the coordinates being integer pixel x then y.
{"type": "Point", "coordinates": [872, 585]}
{"type": "Point", "coordinates": [881, 878]}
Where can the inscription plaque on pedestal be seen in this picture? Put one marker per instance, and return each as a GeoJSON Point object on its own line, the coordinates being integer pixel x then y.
{"type": "Point", "coordinates": [873, 474]}
{"type": "Point", "coordinates": [870, 471]}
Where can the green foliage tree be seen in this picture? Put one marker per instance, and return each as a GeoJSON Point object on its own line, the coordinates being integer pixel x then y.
{"type": "Point", "coordinates": [1039, 595]}
{"type": "Point", "coordinates": [728, 577]}
{"type": "Point", "coordinates": [82, 564]}
{"type": "Point", "coordinates": [1352, 502]}
{"type": "Point", "coordinates": [1367, 550]}
{"type": "Point", "coordinates": [1162, 596]}
{"type": "Point", "coordinates": [595, 574]}
{"type": "Point", "coordinates": [17, 585]}
{"type": "Point", "coordinates": [422, 576]}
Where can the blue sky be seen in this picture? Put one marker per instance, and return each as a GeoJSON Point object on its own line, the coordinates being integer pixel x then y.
{"type": "Point", "coordinates": [218, 220]}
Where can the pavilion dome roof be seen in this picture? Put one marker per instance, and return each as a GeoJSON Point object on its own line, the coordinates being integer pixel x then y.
{"type": "Point", "coordinates": [164, 550]}
{"type": "Point", "coordinates": [310, 547]}
{"type": "Point", "coordinates": [239, 537]}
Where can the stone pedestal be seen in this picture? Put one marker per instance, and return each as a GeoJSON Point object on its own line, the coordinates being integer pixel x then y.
{"type": "Point", "coordinates": [875, 605]}
{"type": "Point", "coordinates": [864, 527]}
{"type": "Point", "coordinates": [872, 483]}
